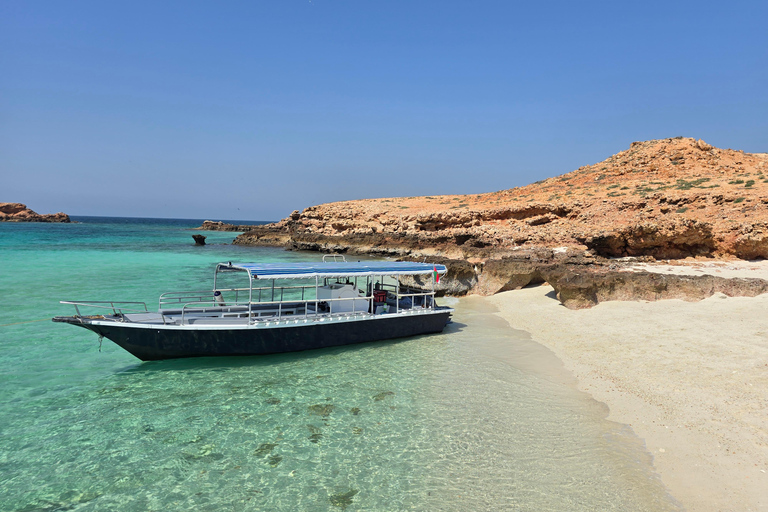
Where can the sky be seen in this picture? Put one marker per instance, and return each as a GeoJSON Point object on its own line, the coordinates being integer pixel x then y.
{"type": "Point", "coordinates": [250, 110]}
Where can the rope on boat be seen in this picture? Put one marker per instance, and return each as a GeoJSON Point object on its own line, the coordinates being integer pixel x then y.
{"type": "Point", "coordinates": [27, 322]}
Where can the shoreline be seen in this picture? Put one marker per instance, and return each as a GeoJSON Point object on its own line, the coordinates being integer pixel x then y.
{"type": "Point", "coordinates": [690, 379]}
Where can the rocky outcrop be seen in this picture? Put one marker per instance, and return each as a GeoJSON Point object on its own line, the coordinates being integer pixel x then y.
{"type": "Point", "coordinates": [217, 225]}
{"type": "Point", "coordinates": [17, 212]}
{"type": "Point", "coordinates": [666, 239]}
{"type": "Point", "coordinates": [582, 280]}
{"type": "Point", "coordinates": [659, 199]}
{"type": "Point", "coordinates": [583, 288]}
{"type": "Point", "coordinates": [670, 198]}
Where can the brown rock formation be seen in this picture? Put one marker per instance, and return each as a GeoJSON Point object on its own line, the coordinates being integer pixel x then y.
{"type": "Point", "coordinates": [17, 212]}
{"type": "Point", "coordinates": [583, 288]}
{"type": "Point", "coordinates": [663, 199]}
{"type": "Point", "coordinates": [668, 198]}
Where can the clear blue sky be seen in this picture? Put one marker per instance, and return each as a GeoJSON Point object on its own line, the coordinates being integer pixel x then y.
{"type": "Point", "coordinates": [249, 110]}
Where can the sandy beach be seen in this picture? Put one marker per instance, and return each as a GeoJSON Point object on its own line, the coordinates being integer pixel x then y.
{"type": "Point", "coordinates": [690, 378]}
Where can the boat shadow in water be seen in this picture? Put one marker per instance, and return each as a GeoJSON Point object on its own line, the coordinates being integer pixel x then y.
{"type": "Point", "coordinates": [224, 363]}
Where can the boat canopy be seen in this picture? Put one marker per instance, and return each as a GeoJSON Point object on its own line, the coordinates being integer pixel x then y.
{"type": "Point", "coordinates": [332, 269]}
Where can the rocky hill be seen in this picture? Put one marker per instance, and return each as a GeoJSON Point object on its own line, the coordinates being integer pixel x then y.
{"type": "Point", "coordinates": [660, 199]}
{"type": "Point", "coordinates": [17, 212]}
{"type": "Point", "coordinates": [669, 198]}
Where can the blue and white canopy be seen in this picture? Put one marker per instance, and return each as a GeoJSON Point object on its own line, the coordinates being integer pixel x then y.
{"type": "Point", "coordinates": [332, 269]}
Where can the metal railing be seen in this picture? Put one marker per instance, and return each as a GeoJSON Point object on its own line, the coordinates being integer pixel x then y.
{"type": "Point", "coordinates": [314, 308]}
{"type": "Point", "coordinates": [101, 304]}
{"type": "Point", "coordinates": [241, 294]}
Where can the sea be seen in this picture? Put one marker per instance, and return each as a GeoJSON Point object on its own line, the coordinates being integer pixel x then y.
{"type": "Point", "coordinates": [478, 418]}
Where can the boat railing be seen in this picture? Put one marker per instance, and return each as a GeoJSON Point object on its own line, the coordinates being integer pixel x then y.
{"type": "Point", "coordinates": [170, 299]}
{"type": "Point", "coordinates": [264, 291]}
{"type": "Point", "coordinates": [179, 298]}
{"type": "Point", "coordinates": [313, 308]}
{"type": "Point", "coordinates": [425, 304]}
{"type": "Point", "coordinates": [211, 306]}
{"type": "Point", "coordinates": [280, 311]}
{"type": "Point", "coordinates": [115, 306]}
{"type": "Point", "coordinates": [262, 294]}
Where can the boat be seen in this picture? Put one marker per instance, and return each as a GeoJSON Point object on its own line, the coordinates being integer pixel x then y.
{"type": "Point", "coordinates": [286, 307]}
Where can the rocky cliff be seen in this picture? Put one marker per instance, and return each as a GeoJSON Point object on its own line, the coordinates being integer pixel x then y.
{"type": "Point", "coordinates": [17, 212]}
{"type": "Point", "coordinates": [659, 199]}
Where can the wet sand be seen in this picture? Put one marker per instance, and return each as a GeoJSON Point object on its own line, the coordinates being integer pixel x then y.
{"type": "Point", "coordinates": [690, 378]}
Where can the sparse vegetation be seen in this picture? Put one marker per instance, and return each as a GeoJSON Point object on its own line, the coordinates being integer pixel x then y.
{"type": "Point", "coordinates": [682, 210]}
{"type": "Point", "coordinates": [687, 185]}
{"type": "Point", "coordinates": [749, 183]}
{"type": "Point", "coordinates": [738, 199]}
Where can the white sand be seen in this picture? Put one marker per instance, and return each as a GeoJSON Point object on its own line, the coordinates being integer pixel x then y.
{"type": "Point", "coordinates": [727, 269]}
{"type": "Point", "coordinates": [690, 378]}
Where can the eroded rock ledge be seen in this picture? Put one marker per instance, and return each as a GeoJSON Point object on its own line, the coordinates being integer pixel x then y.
{"type": "Point", "coordinates": [17, 212]}
{"type": "Point", "coordinates": [582, 280]}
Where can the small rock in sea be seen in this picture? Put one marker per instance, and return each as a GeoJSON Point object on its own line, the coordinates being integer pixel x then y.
{"type": "Point", "coordinates": [264, 449]}
{"type": "Point", "coordinates": [323, 410]}
{"type": "Point", "coordinates": [342, 499]}
{"type": "Point", "coordinates": [381, 396]}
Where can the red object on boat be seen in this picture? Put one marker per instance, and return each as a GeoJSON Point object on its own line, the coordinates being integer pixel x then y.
{"type": "Point", "coordinates": [379, 296]}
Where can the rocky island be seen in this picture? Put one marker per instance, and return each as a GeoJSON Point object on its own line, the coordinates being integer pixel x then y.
{"type": "Point", "coordinates": [17, 212]}
{"type": "Point", "coordinates": [668, 199]}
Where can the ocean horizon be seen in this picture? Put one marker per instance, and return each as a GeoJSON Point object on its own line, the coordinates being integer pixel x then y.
{"type": "Point", "coordinates": [160, 220]}
{"type": "Point", "coordinates": [477, 418]}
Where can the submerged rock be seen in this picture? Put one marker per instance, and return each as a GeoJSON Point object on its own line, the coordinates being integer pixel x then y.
{"type": "Point", "coordinates": [323, 410]}
{"type": "Point", "coordinates": [264, 449]}
{"type": "Point", "coordinates": [342, 499]}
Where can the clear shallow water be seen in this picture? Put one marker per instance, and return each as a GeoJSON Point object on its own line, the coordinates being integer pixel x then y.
{"type": "Point", "coordinates": [473, 419]}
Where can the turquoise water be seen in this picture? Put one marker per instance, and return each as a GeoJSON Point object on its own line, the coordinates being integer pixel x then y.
{"type": "Point", "coordinates": [477, 418]}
